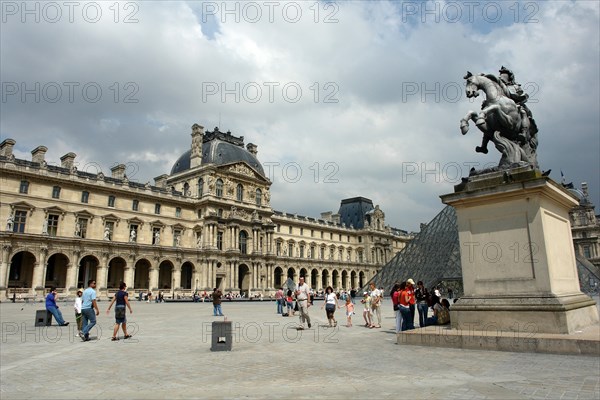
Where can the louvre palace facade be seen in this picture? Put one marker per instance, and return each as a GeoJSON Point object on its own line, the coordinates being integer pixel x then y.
{"type": "Point", "coordinates": [208, 223]}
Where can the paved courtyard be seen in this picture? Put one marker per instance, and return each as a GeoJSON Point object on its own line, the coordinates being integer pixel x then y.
{"type": "Point", "coordinates": [169, 357]}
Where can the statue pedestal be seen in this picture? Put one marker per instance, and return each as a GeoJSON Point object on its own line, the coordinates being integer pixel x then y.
{"type": "Point", "coordinates": [517, 256]}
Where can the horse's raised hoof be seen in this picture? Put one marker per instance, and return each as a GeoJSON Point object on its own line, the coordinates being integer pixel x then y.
{"type": "Point", "coordinates": [464, 128]}
{"type": "Point", "coordinates": [481, 150]}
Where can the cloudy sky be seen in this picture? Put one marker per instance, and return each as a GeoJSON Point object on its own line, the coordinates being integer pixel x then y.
{"type": "Point", "coordinates": [343, 99]}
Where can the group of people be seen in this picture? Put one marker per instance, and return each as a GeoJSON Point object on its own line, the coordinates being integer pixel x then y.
{"type": "Point", "coordinates": [86, 310]}
{"type": "Point", "coordinates": [405, 298]}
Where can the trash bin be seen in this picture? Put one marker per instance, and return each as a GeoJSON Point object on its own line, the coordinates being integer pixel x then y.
{"type": "Point", "coordinates": [221, 336]}
{"type": "Point", "coordinates": [43, 318]}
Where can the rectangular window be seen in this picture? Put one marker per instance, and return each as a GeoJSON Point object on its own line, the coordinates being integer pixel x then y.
{"type": "Point", "coordinates": [19, 222]}
{"type": "Point", "coordinates": [135, 205]}
{"type": "Point", "coordinates": [85, 196]}
{"type": "Point", "coordinates": [301, 231]}
{"type": "Point", "coordinates": [157, 208]}
{"type": "Point", "coordinates": [360, 257]}
{"type": "Point", "coordinates": [312, 251]}
{"type": "Point", "coordinates": [24, 187]}
{"type": "Point", "coordinates": [322, 253]}
{"type": "Point", "coordinates": [111, 201]}
{"type": "Point", "coordinates": [278, 248]}
{"type": "Point", "coordinates": [177, 238]}
{"type": "Point", "coordinates": [156, 236]}
{"type": "Point", "coordinates": [278, 228]}
{"type": "Point", "coordinates": [301, 251]}
{"type": "Point", "coordinates": [290, 230]}
{"type": "Point", "coordinates": [330, 235]}
{"type": "Point", "coordinates": [109, 228]}
{"type": "Point", "coordinates": [312, 233]}
{"type": "Point", "coordinates": [56, 192]}
{"type": "Point", "coordinates": [360, 239]}
{"type": "Point", "coordinates": [290, 250]}
{"type": "Point", "coordinates": [586, 252]}
{"type": "Point", "coordinates": [81, 228]}
{"type": "Point", "coordinates": [199, 213]}
{"type": "Point", "coordinates": [340, 238]}
{"type": "Point", "coordinates": [178, 212]}
{"type": "Point", "coordinates": [52, 225]}
{"type": "Point", "coordinates": [133, 233]}
{"type": "Point", "coordinates": [321, 234]}
{"type": "Point", "coordinates": [220, 240]}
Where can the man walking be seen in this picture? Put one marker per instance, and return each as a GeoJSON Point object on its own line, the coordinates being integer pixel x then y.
{"type": "Point", "coordinates": [88, 306]}
{"type": "Point", "coordinates": [53, 308]}
{"type": "Point", "coordinates": [302, 299]}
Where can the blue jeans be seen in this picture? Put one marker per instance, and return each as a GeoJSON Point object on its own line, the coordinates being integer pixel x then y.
{"type": "Point", "coordinates": [57, 315]}
{"type": "Point", "coordinates": [405, 313]}
{"type": "Point", "coordinates": [398, 320]}
{"type": "Point", "coordinates": [89, 320]}
{"type": "Point", "coordinates": [217, 310]}
{"type": "Point", "coordinates": [423, 309]}
{"type": "Point", "coordinates": [431, 321]}
{"type": "Point", "coordinates": [280, 306]}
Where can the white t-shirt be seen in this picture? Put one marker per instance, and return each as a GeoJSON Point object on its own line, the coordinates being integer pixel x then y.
{"type": "Point", "coordinates": [330, 298]}
{"type": "Point", "coordinates": [375, 294]}
{"type": "Point", "coordinates": [77, 305]}
{"type": "Point", "coordinates": [304, 292]}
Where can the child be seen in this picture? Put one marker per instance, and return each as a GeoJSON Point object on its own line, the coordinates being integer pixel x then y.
{"type": "Point", "coordinates": [349, 311]}
{"type": "Point", "coordinates": [77, 307]}
{"type": "Point", "coordinates": [367, 311]}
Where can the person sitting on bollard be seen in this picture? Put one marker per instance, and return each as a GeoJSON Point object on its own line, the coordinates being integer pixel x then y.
{"type": "Point", "coordinates": [53, 308]}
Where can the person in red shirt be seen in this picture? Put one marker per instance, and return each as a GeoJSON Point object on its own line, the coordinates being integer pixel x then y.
{"type": "Point", "coordinates": [395, 294]}
{"type": "Point", "coordinates": [410, 288]}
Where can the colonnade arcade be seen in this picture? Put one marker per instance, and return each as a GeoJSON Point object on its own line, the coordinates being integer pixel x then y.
{"type": "Point", "coordinates": [30, 272]}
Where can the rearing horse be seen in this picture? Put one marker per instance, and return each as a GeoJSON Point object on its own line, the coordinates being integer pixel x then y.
{"type": "Point", "coordinates": [499, 113]}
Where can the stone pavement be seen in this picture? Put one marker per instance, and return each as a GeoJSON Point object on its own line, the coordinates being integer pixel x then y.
{"type": "Point", "coordinates": [169, 357]}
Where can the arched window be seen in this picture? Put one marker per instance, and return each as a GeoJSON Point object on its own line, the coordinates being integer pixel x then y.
{"type": "Point", "coordinates": [243, 242]}
{"type": "Point", "coordinates": [258, 197]}
{"type": "Point", "coordinates": [186, 189]}
{"type": "Point", "coordinates": [239, 192]}
{"type": "Point", "coordinates": [219, 188]}
{"type": "Point", "coordinates": [200, 187]}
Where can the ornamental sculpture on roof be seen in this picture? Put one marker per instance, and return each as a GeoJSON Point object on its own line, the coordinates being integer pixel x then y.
{"type": "Point", "coordinates": [504, 119]}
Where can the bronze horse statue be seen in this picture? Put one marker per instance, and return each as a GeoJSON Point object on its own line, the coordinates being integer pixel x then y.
{"type": "Point", "coordinates": [502, 121]}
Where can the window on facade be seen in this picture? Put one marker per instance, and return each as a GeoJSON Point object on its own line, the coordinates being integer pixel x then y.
{"type": "Point", "coordinates": [278, 228]}
{"type": "Point", "coordinates": [220, 212]}
{"type": "Point", "coordinates": [330, 235]}
{"type": "Point", "coordinates": [81, 228]}
{"type": "Point", "coordinates": [219, 188]}
{"type": "Point", "coordinates": [19, 221]}
{"type": "Point", "coordinates": [321, 234]}
{"type": "Point", "coordinates": [301, 231]}
{"type": "Point", "coordinates": [586, 252]}
{"type": "Point", "coordinates": [56, 192]}
{"type": "Point", "coordinates": [85, 196]}
{"type": "Point", "coordinates": [322, 253]}
{"type": "Point", "coordinates": [348, 238]}
{"type": "Point", "coordinates": [178, 212]}
{"type": "Point", "coordinates": [312, 233]}
{"type": "Point", "coordinates": [135, 205]}
{"type": "Point", "coordinates": [176, 238]}
{"type": "Point", "coordinates": [340, 238]}
{"type": "Point", "coordinates": [243, 242]}
{"type": "Point", "coordinates": [258, 197]}
{"type": "Point", "coordinates": [278, 248]}
{"type": "Point", "coordinates": [290, 230]}
{"type": "Point", "coordinates": [360, 256]}
{"type": "Point", "coordinates": [133, 233]}
{"type": "Point", "coordinates": [220, 240]}
{"type": "Point", "coordinates": [360, 239]}
{"type": "Point", "coordinates": [155, 235]}
{"type": "Point", "coordinates": [111, 201]}
{"type": "Point", "coordinates": [52, 225]}
{"type": "Point", "coordinates": [301, 251]}
{"type": "Point", "coordinates": [157, 208]}
{"type": "Point", "coordinates": [290, 249]}
{"type": "Point", "coordinates": [331, 254]}
{"type": "Point", "coordinates": [340, 255]}
{"type": "Point", "coordinates": [239, 192]}
{"type": "Point", "coordinates": [199, 213]}
{"type": "Point", "coordinates": [186, 189]}
{"type": "Point", "coordinates": [312, 251]}
{"type": "Point", "coordinates": [24, 187]}
{"type": "Point", "coordinates": [200, 187]}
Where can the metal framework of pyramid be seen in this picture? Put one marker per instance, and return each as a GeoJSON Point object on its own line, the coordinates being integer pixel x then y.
{"type": "Point", "coordinates": [433, 257]}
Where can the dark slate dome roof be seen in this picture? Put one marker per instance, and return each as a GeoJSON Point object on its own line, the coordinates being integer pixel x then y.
{"type": "Point", "coordinates": [219, 152]}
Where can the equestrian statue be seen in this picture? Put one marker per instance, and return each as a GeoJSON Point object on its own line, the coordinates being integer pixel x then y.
{"type": "Point", "coordinates": [504, 119]}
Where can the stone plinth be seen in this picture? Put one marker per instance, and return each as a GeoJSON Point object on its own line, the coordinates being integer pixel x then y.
{"type": "Point", "coordinates": [518, 261]}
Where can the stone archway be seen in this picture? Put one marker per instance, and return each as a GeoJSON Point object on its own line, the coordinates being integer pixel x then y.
{"type": "Point", "coordinates": [244, 280]}
{"type": "Point", "coordinates": [353, 280]}
{"type": "Point", "coordinates": [325, 278]}
{"type": "Point", "coordinates": [116, 272]}
{"type": "Point", "coordinates": [165, 275]}
{"type": "Point", "coordinates": [278, 277]}
{"type": "Point", "coordinates": [88, 268]}
{"type": "Point", "coordinates": [187, 272]}
{"type": "Point", "coordinates": [361, 279]}
{"type": "Point", "coordinates": [141, 280]}
{"type": "Point", "coordinates": [56, 271]}
{"type": "Point", "coordinates": [334, 279]}
{"type": "Point", "coordinates": [20, 273]}
{"type": "Point", "coordinates": [291, 274]}
{"type": "Point", "coordinates": [345, 280]}
{"type": "Point", "coordinates": [313, 279]}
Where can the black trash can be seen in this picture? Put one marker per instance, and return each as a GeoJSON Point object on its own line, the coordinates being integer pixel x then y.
{"type": "Point", "coordinates": [43, 318]}
{"type": "Point", "coordinates": [221, 336]}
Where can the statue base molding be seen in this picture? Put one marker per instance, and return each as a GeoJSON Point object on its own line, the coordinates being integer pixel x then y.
{"type": "Point", "coordinates": [517, 256]}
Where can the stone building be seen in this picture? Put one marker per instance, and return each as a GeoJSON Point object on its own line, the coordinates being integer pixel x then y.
{"type": "Point", "coordinates": [208, 223]}
{"type": "Point", "coordinates": [585, 227]}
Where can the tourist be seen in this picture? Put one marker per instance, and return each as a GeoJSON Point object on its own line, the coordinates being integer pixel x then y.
{"type": "Point", "coordinates": [303, 302]}
{"type": "Point", "coordinates": [422, 297]}
{"type": "Point", "coordinates": [410, 288]}
{"type": "Point", "coordinates": [52, 307]}
{"type": "Point", "coordinates": [77, 307]}
{"type": "Point", "coordinates": [88, 306]}
{"type": "Point", "coordinates": [216, 298]}
{"type": "Point", "coordinates": [330, 303]}
{"type": "Point", "coordinates": [376, 296]}
{"type": "Point", "coordinates": [367, 310]}
{"type": "Point", "coordinates": [395, 294]}
{"type": "Point", "coordinates": [289, 300]}
{"type": "Point", "coordinates": [279, 300]}
{"type": "Point", "coordinates": [441, 314]}
{"type": "Point", "coordinates": [121, 298]}
{"type": "Point", "coordinates": [349, 311]}
{"type": "Point", "coordinates": [404, 304]}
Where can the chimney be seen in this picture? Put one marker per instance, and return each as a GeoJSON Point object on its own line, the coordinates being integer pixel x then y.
{"type": "Point", "coordinates": [584, 189]}
{"type": "Point", "coordinates": [6, 148]}
{"type": "Point", "coordinates": [38, 155]}
{"type": "Point", "coordinates": [197, 139]}
{"type": "Point", "coordinates": [326, 216]}
{"type": "Point", "coordinates": [67, 160]}
{"type": "Point", "coordinates": [252, 148]}
{"type": "Point", "coordinates": [161, 181]}
{"type": "Point", "coordinates": [118, 171]}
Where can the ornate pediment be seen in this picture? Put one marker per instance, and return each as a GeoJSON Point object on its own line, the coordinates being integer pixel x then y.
{"type": "Point", "coordinates": [84, 214]}
{"type": "Point", "coordinates": [55, 210]}
{"type": "Point", "coordinates": [135, 221]}
{"type": "Point", "coordinates": [243, 169]}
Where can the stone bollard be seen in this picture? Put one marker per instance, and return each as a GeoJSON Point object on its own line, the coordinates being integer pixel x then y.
{"type": "Point", "coordinates": [221, 336]}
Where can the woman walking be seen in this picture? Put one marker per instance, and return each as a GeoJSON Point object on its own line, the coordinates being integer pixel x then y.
{"type": "Point", "coordinates": [121, 298]}
{"type": "Point", "coordinates": [330, 305]}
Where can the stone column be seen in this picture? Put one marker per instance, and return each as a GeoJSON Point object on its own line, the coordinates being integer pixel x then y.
{"type": "Point", "coordinates": [4, 267]}
{"type": "Point", "coordinates": [176, 276]}
{"type": "Point", "coordinates": [319, 281]}
{"type": "Point", "coordinates": [153, 278]}
{"type": "Point", "coordinates": [129, 275]}
{"type": "Point", "coordinates": [71, 283]}
{"type": "Point", "coordinates": [39, 270]}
